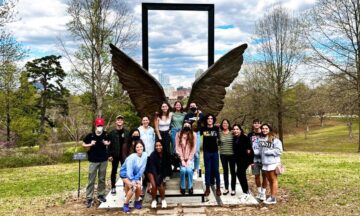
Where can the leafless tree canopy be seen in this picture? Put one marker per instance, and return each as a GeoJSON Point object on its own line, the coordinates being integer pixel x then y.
{"type": "Point", "coordinates": [280, 51]}
{"type": "Point", "coordinates": [95, 24]}
{"type": "Point", "coordinates": [334, 35]}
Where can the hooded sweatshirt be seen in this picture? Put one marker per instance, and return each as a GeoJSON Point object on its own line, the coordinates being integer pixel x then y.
{"type": "Point", "coordinates": [134, 166]}
{"type": "Point", "coordinates": [270, 151]}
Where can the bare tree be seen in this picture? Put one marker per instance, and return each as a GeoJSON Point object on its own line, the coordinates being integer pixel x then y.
{"type": "Point", "coordinates": [334, 35]}
{"type": "Point", "coordinates": [10, 52]}
{"type": "Point", "coordinates": [94, 24]}
{"type": "Point", "coordinates": [280, 52]}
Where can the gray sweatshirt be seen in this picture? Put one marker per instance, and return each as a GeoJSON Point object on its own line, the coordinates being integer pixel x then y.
{"type": "Point", "coordinates": [270, 152]}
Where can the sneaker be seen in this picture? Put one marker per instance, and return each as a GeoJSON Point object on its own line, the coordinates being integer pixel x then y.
{"type": "Point", "coordinates": [218, 192]}
{"type": "Point", "coordinates": [195, 175]}
{"type": "Point", "coordinates": [167, 178]}
{"type": "Point", "coordinates": [113, 190]}
{"type": "Point", "coordinates": [226, 192]}
{"type": "Point", "coordinates": [258, 196]}
{"type": "Point", "coordinates": [244, 198]}
{"type": "Point", "coordinates": [191, 191]}
{"type": "Point", "coordinates": [126, 208]}
{"type": "Point", "coordinates": [207, 191]}
{"type": "Point", "coordinates": [89, 203]}
{"type": "Point", "coordinates": [233, 193]}
{"type": "Point", "coordinates": [182, 191]}
{"type": "Point", "coordinates": [262, 197]}
{"type": "Point", "coordinates": [153, 204]}
{"type": "Point", "coordinates": [163, 204]}
{"type": "Point", "coordinates": [138, 204]}
{"type": "Point", "coordinates": [101, 198]}
{"type": "Point", "coordinates": [270, 201]}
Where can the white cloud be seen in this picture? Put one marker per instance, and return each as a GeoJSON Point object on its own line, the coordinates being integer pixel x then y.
{"type": "Point", "coordinates": [178, 39]}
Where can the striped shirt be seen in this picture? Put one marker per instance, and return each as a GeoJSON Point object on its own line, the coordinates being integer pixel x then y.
{"type": "Point", "coordinates": [226, 147]}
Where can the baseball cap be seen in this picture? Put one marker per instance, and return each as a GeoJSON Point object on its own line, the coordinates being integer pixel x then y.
{"type": "Point", "coordinates": [99, 122]}
{"type": "Point", "coordinates": [120, 117]}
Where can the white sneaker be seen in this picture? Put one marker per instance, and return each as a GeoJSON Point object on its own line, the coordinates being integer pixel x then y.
{"type": "Point", "coordinates": [163, 204]}
{"type": "Point", "coordinates": [244, 198]}
{"type": "Point", "coordinates": [270, 201]}
{"type": "Point", "coordinates": [153, 204]}
{"type": "Point", "coordinates": [262, 197]}
{"type": "Point", "coordinates": [195, 175]}
{"type": "Point", "coordinates": [167, 178]}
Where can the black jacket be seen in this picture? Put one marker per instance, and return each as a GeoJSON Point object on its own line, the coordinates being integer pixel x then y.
{"type": "Point", "coordinates": [117, 149]}
{"type": "Point", "coordinates": [241, 145]}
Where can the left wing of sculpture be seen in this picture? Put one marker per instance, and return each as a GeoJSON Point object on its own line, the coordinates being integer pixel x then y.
{"type": "Point", "coordinates": [144, 90]}
{"type": "Point", "coordinates": [208, 91]}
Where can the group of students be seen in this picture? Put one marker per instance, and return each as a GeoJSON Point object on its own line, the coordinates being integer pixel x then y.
{"type": "Point", "coordinates": [148, 156]}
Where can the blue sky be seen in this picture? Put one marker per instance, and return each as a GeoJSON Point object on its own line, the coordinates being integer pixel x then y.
{"type": "Point", "coordinates": [177, 39]}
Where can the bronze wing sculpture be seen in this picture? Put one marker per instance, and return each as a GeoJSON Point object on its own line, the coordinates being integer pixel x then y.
{"type": "Point", "coordinates": [208, 91]}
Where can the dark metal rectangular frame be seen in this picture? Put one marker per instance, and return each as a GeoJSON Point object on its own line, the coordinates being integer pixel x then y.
{"type": "Point", "coordinates": [181, 7]}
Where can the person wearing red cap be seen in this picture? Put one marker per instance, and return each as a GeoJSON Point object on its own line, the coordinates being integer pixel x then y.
{"type": "Point", "coordinates": [96, 143]}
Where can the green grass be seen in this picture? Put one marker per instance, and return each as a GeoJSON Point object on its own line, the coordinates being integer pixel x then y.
{"type": "Point", "coordinates": [321, 182]}
{"type": "Point", "coordinates": [37, 187]}
{"type": "Point", "coordinates": [326, 139]}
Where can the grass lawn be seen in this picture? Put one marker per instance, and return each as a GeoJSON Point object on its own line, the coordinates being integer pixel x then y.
{"type": "Point", "coordinates": [326, 183]}
{"type": "Point", "coordinates": [332, 138]}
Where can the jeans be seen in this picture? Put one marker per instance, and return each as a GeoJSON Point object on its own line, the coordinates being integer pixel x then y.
{"type": "Point", "coordinates": [96, 168]}
{"type": "Point", "coordinates": [228, 161]}
{"type": "Point", "coordinates": [183, 172]}
{"type": "Point", "coordinates": [211, 162]}
{"type": "Point", "coordinates": [197, 153]}
{"type": "Point", "coordinates": [174, 131]}
{"type": "Point", "coordinates": [115, 165]}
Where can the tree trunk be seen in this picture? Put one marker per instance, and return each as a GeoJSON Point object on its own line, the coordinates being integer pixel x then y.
{"type": "Point", "coordinates": [321, 120]}
{"type": "Point", "coordinates": [8, 118]}
{"type": "Point", "coordinates": [349, 124]}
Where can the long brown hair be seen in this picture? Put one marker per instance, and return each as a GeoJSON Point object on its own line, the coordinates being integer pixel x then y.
{"type": "Point", "coordinates": [161, 113]}
{"type": "Point", "coordinates": [190, 136]}
{"type": "Point", "coordinates": [181, 109]}
{"type": "Point", "coordinates": [271, 135]}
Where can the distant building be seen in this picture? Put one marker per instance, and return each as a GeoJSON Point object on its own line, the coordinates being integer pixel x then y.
{"type": "Point", "coordinates": [164, 80]}
{"type": "Point", "coordinates": [179, 94]}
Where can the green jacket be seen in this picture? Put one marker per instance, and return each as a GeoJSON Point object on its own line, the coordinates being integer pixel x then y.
{"type": "Point", "coordinates": [117, 149]}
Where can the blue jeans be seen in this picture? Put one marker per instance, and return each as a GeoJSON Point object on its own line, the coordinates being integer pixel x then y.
{"type": "Point", "coordinates": [183, 172]}
{"type": "Point", "coordinates": [211, 162]}
{"type": "Point", "coordinates": [197, 153]}
{"type": "Point", "coordinates": [173, 138]}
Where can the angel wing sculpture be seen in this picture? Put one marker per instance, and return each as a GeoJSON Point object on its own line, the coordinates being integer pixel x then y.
{"type": "Point", "coordinates": [208, 91]}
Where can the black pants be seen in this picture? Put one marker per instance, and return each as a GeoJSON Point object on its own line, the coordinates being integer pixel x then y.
{"type": "Point", "coordinates": [115, 164]}
{"type": "Point", "coordinates": [241, 174]}
{"type": "Point", "coordinates": [228, 161]}
{"type": "Point", "coordinates": [165, 141]}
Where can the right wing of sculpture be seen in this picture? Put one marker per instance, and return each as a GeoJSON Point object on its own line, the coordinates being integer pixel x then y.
{"type": "Point", "coordinates": [144, 90]}
{"type": "Point", "coordinates": [208, 91]}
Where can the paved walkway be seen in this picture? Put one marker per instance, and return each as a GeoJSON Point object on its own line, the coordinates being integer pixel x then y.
{"type": "Point", "coordinates": [184, 205]}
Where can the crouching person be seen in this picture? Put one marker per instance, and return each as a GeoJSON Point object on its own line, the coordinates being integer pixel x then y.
{"type": "Point", "coordinates": [131, 172]}
{"type": "Point", "coordinates": [158, 167]}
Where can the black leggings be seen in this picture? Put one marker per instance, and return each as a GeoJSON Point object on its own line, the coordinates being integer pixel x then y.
{"type": "Point", "coordinates": [241, 174]}
{"type": "Point", "coordinates": [165, 141]}
{"type": "Point", "coordinates": [115, 165]}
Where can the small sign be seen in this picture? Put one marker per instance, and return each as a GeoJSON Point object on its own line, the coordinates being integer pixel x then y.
{"type": "Point", "coordinates": [80, 156]}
